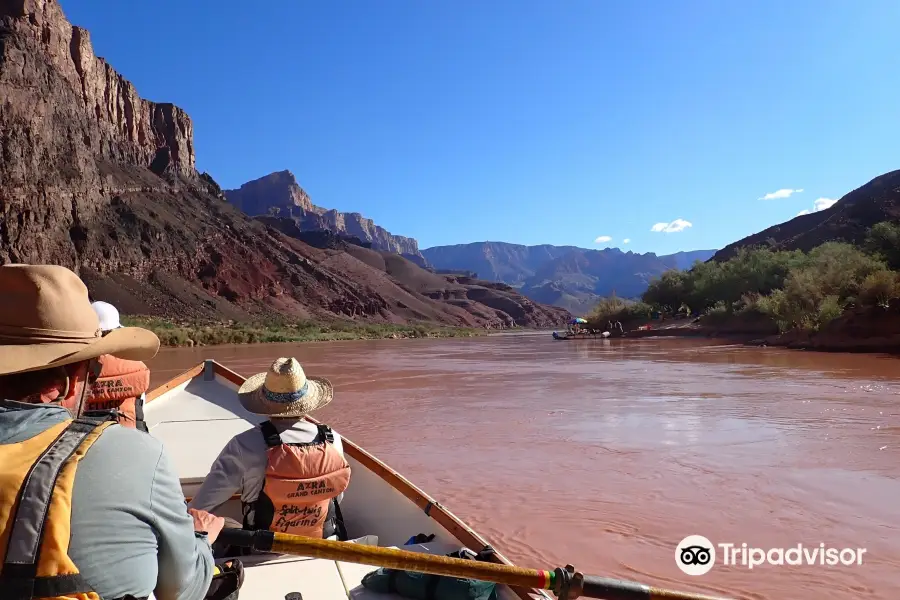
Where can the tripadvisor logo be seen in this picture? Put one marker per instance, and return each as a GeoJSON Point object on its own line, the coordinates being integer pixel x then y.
{"type": "Point", "coordinates": [696, 555]}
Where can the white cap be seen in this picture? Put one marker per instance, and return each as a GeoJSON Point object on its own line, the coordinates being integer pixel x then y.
{"type": "Point", "coordinates": [108, 315]}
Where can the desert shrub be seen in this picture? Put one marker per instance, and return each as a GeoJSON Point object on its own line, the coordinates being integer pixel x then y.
{"type": "Point", "coordinates": [638, 310]}
{"type": "Point", "coordinates": [719, 308]}
{"type": "Point", "coordinates": [717, 314]}
{"type": "Point", "coordinates": [614, 308]}
{"type": "Point", "coordinates": [830, 308]}
{"type": "Point", "coordinates": [879, 288]}
{"type": "Point", "coordinates": [791, 311]}
{"type": "Point", "coordinates": [838, 269]}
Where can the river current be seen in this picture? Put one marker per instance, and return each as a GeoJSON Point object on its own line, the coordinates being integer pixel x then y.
{"type": "Point", "coordinates": [607, 453]}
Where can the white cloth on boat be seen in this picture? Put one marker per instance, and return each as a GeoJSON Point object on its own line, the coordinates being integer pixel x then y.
{"type": "Point", "coordinates": [240, 467]}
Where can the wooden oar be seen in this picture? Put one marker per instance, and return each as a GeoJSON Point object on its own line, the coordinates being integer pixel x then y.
{"type": "Point", "coordinates": [565, 583]}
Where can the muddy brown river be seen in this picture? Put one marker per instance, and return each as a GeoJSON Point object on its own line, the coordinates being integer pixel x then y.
{"type": "Point", "coordinates": [607, 453]}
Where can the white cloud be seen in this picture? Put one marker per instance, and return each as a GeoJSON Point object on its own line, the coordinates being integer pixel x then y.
{"type": "Point", "coordinates": [603, 239]}
{"type": "Point", "coordinates": [673, 227]}
{"type": "Point", "coordinates": [823, 203]}
{"type": "Point", "coordinates": [626, 241]}
{"type": "Point", "coordinates": [780, 194]}
{"type": "Point", "coordinates": [819, 204]}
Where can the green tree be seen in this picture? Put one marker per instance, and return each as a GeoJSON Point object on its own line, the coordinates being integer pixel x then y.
{"type": "Point", "coordinates": [883, 240]}
{"type": "Point", "coordinates": [668, 291]}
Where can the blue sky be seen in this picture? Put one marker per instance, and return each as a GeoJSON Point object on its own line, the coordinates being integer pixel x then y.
{"type": "Point", "coordinates": [532, 122]}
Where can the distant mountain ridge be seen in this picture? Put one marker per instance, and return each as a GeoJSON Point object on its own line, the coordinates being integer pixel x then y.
{"type": "Point", "coordinates": [567, 276]}
{"type": "Point", "coordinates": [496, 261]}
{"type": "Point", "coordinates": [279, 194]}
{"type": "Point", "coordinates": [847, 220]}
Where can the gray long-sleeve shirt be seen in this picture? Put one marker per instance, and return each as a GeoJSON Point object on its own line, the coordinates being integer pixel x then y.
{"type": "Point", "coordinates": [131, 533]}
{"type": "Point", "coordinates": [241, 466]}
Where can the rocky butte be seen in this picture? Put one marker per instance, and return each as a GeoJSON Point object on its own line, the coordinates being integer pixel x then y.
{"type": "Point", "coordinates": [279, 194]}
{"type": "Point", "coordinates": [95, 178]}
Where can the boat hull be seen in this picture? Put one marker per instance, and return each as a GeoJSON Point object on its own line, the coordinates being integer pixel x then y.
{"type": "Point", "coordinates": [198, 412]}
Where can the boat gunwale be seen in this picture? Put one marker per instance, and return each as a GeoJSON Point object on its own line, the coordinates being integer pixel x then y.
{"type": "Point", "coordinates": [432, 508]}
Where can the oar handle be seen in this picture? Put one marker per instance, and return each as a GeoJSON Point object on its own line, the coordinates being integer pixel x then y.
{"type": "Point", "coordinates": [619, 589]}
{"type": "Point", "coordinates": [566, 583]}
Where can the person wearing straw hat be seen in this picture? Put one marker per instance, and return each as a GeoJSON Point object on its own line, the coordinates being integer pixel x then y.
{"type": "Point", "coordinates": [268, 464]}
{"type": "Point", "coordinates": [94, 508]}
{"type": "Point", "coordinates": [120, 389]}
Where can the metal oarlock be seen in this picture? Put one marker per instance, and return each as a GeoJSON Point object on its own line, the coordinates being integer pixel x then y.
{"type": "Point", "coordinates": [569, 583]}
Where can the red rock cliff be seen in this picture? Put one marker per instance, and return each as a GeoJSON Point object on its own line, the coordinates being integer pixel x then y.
{"type": "Point", "coordinates": [94, 178]}
{"type": "Point", "coordinates": [124, 127]}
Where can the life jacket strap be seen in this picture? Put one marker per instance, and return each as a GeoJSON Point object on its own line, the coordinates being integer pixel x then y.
{"type": "Point", "coordinates": [270, 434]}
{"type": "Point", "coordinates": [114, 414]}
{"type": "Point", "coordinates": [139, 421]}
{"type": "Point", "coordinates": [325, 434]}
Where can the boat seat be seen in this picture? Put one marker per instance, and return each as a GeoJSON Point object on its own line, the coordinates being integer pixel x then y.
{"type": "Point", "coordinates": [266, 576]}
{"type": "Point", "coordinates": [274, 576]}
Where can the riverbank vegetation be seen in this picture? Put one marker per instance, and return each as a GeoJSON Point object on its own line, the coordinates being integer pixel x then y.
{"type": "Point", "coordinates": [187, 333]}
{"type": "Point", "coordinates": [796, 290]}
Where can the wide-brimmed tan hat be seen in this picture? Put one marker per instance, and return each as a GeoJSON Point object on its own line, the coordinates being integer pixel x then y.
{"type": "Point", "coordinates": [46, 320]}
{"type": "Point", "coordinates": [285, 391]}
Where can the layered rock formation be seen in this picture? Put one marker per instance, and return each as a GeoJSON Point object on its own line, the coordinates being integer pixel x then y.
{"type": "Point", "coordinates": [279, 194]}
{"type": "Point", "coordinates": [94, 178]}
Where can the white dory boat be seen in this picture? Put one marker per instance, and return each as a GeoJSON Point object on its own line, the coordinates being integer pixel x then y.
{"type": "Point", "coordinates": [197, 413]}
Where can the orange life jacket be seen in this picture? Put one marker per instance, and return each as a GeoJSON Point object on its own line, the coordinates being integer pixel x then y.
{"type": "Point", "coordinates": [301, 487]}
{"type": "Point", "coordinates": [120, 389]}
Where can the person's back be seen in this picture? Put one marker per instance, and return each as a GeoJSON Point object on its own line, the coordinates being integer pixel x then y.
{"type": "Point", "coordinates": [120, 490]}
{"type": "Point", "coordinates": [257, 462]}
{"type": "Point", "coordinates": [241, 466]}
{"type": "Point", "coordinates": [90, 508]}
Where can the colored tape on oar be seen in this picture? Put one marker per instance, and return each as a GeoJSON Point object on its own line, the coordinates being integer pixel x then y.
{"type": "Point", "coordinates": [566, 584]}
{"type": "Point", "coordinates": [548, 578]}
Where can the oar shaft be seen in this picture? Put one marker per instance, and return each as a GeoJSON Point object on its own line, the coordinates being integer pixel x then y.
{"type": "Point", "coordinates": [388, 557]}
{"type": "Point", "coordinates": [592, 587]}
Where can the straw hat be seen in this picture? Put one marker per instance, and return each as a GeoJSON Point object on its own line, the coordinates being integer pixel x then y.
{"type": "Point", "coordinates": [46, 320]}
{"type": "Point", "coordinates": [285, 391]}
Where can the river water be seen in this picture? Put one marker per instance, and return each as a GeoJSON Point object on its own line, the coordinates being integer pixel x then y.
{"type": "Point", "coordinates": [607, 453]}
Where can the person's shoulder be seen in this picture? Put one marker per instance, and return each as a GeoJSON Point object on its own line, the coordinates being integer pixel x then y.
{"type": "Point", "coordinates": [249, 439]}
{"type": "Point", "coordinates": [130, 442]}
{"type": "Point", "coordinates": [134, 457]}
